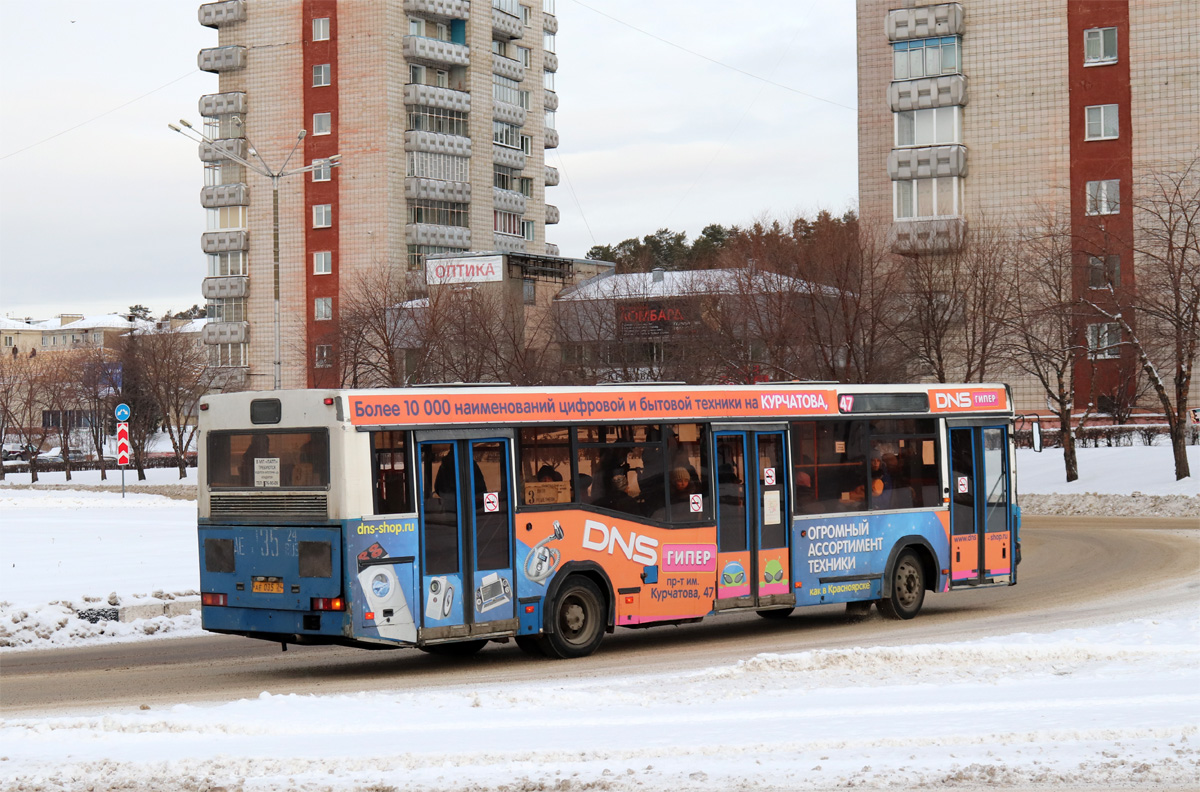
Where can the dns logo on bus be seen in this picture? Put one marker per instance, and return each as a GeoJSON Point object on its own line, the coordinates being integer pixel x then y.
{"type": "Point", "coordinates": [953, 401]}
{"type": "Point", "coordinates": [640, 548]}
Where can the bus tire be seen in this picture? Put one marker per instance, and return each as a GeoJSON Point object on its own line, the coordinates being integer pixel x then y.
{"type": "Point", "coordinates": [530, 645]}
{"type": "Point", "coordinates": [775, 614]}
{"type": "Point", "coordinates": [906, 590]}
{"type": "Point", "coordinates": [580, 618]}
{"type": "Point", "coordinates": [455, 649]}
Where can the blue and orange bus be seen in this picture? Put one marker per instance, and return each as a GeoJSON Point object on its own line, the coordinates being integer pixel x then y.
{"type": "Point", "coordinates": [445, 517]}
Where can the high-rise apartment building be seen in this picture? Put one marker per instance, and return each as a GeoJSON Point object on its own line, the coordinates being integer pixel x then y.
{"type": "Point", "coordinates": [441, 112]}
{"type": "Point", "coordinates": [999, 112]}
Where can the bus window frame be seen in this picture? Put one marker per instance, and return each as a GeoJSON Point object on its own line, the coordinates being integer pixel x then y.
{"type": "Point", "coordinates": [216, 433]}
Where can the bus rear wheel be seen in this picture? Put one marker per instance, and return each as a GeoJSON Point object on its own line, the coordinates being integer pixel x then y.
{"type": "Point", "coordinates": [579, 620]}
{"type": "Point", "coordinates": [455, 649]}
{"type": "Point", "coordinates": [907, 590]}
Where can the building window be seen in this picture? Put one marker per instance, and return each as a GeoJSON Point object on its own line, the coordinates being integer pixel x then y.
{"type": "Point", "coordinates": [926, 58]}
{"type": "Point", "coordinates": [438, 213]}
{"type": "Point", "coordinates": [323, 356]}
{"type": "Point", "coordinates": [548, 42]}
{"type": "Point", "coordinates": [1099, 46]}
{"type": "Point", "coordinates": [323, 309]}
{"type": "Point", "coordinates": [548, 80]}
{"type": "Point", "coordinates": [226, 309]}
{"type": "Point", "coordinates": [225, 172]}
{"type": "Point", "coordinates": [528, 230]}
{"type": "Point", "coordinates": [416, 74]}
{"type": "Point", "coordinates": [322, 216]}
{"type": "Point", "coordinates": [502, 177]}
{"type": "Point", "coordinates": [221, 355]}
{"type": "Point", "coordinates": [444, 167]}
{"type": "Point", "coordinates": [435, 119]}
{"type": "Point", "coordinates": [1104, 271]}
{"type": "Point", "coordinates": [322, 123]}
{"type": "Point", "coordinates": [321, 75]}
{"type": "Point", "coordinates": [549, 119]}
{"type": "Point", "coordinates": [929, 127]}
{"type": "Point", "coordinates": [548, 6]}
{"type": "Point", "coordinates": [530, 291]}
{"type": "Point", "coordinates": [509, 7]}
{"type": "Point", "coordinates": [227, 218]}
{"type": "Point", "coordinates": [8, 341]}
{"type": "Point", "coordinates": [523, 185]}
{"type": "Point", "coordinates": [417, 254]}
{"type": "Point", "coordinates": [526, 16]}
{"type": "Point", "coordinates": [506, 135]}
{"type": "Point", "coordinates": [1104, 197]}
{"type": "Point", "coordinates": [230, 263]}
{"type": "Point", "coordinates": [509, 91]}
{"type": "Point", "coordinates": [928, 198]}
{"type": "Point", "coordinates": [527, 145]}
{"type": "Point", "coordinates": [321, 29]}
{"type": "Point", "coordinates": [506, 223]}
{"type": "Point", "coordinates": [524, 56]}
{"type": "Point", "coordinates": [322, 170]}
{"type": "Point", "coordinates": [426, 29]}
{"type": "Point", "coordinates": [1101, 122]}
{"type": "Point", "coordinates": [322, 262]}
{"type": "Point", "coordinates": [1104, 340]}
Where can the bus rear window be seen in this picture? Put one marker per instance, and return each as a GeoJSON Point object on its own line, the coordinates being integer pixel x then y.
{"type": "Point", "coordinates": [268, 460]}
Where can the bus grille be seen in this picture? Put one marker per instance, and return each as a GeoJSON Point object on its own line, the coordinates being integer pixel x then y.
{"type": "Point", "coordinates": [306, 505]}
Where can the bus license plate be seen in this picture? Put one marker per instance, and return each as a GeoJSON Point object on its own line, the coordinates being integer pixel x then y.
{"type": "Point", "coordinates": [267, 586]}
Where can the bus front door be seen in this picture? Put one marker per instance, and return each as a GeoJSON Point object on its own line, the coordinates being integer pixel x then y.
{"type": "Point", "coordinates": [981, 552]}
{"type": "Point", "coordinates": [753, 513]}
{"type": "Point", "coordinates": [466, 528]}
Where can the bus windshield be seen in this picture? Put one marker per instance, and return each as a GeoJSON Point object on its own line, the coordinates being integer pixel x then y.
{"type": "Point", "coordinates": [268, 459]}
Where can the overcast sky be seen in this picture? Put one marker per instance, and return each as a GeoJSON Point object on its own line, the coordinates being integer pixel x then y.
{"type": "Point", "coordinates": [673, 114]}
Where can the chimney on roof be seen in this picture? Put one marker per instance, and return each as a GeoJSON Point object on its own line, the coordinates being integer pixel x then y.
{"type": "Point", "coordinates": [657, 275]}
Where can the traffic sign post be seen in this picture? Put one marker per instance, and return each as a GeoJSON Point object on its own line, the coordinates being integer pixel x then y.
{"type": "Point", "coordinates": [122, 444]}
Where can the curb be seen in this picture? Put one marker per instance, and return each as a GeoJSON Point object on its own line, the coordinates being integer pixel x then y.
{"type": "Point", "coordinates": [151, 610]}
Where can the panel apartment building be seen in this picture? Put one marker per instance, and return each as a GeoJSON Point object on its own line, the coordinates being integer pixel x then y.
{"type": "Point", "coordinates": [441, 112]}
{"type": "Point", "coordinates": [984, 111]}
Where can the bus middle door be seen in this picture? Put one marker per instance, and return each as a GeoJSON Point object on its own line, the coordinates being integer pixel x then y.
{"type": "Point", "coordinates": [466, 529]}
{"type": "Point", "coordinates": [981, 547]}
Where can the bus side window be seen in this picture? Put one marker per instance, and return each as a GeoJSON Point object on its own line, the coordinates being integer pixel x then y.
{"type": "Point", "coordinates": [393, 479]}
{"type": "Point", "coordinates": [545, 465]}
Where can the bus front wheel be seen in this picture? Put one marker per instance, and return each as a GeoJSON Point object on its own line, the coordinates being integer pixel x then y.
{"type": "Point", "coordinates": [579, 620]}
{"type": "Point", "coordinates": [907, 588]}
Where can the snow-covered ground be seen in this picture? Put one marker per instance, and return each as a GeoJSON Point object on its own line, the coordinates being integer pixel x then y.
{"type": "Point", "coordinates": [1114, 705]}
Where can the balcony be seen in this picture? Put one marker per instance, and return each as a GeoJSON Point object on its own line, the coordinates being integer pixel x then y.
{"type": "Point", "coordinates": [221, 59]}
{"type": "Point", "coordinates": [551, 214]}
{"type": "Point", "coordinates": [508, 113]}
{"type": "Point", "coordinates": [550, 23]}
{"type": "Point", "coordinates": [225, 195]}
{"type": "Point", "coordinates": [507, 67]}
{"type": "Point", "coordinates": [437, 143]}
{"type": "Point", "coordinates": [439, 9]}
{"type": "Point", "coordinates": [226, 333]}
{"type": "Point", "coordinates": [211, 153]}
{"type": "Point", "coordinates": [416, 188]}
{"type": "Point", "coordinates": [443, 236]}
{"type": "Point", "coordinates": [436, 51]}
{"type": "Point", "coordinates": [508, 201]}
{"type": "Point", "coordinates": [506, 243]}
{"type": "Point", "coordinates": [505, 26]}
{"type": "Point", "coordinates": [945, 91]}
{"type": "Point", "coordinates": [551, 249]}
{"type": "Point", "coordinates": [551, 138]}
{"type": "Point", "coordinates": [925, 22]}
{"type": "Point", "coordinates": [923, 237]}
{"type": "Point", "coordinates": [551, 176]}
{"type": "Point", "coordinates": [224, 241]}
{"type": "Point", "coordinates": [214, 15]}
{"type": "Point", "coordinates": [550, 102]}
{"type": "Point", "coordinates": [225, 286]}
{"type": "Point", "coordinates": [549, 61]}
{"type": "Point", "coordinates": [229, 379]}
{"type": "Point", "coordinates": [433, 96]}
{"type": "Point", "coordinates": [927, 162]}
{"type": "Point", "coordinates": [508, 157]}
{"type": "Point", "coordinates": [213, 105]}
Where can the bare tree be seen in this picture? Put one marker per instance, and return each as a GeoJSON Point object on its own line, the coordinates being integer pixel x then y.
{"type": "Point", "coordinates": [25, 398]}
{"type": "Point", "coordinates": [135, 392]}
{"type": "Point", "coordinates": [1045, 339]}
{"type": "Point", "coordinates": [1167, 302]}
{"type": "Point", "coordinates": [98, 380]}
{"type": "Point", "coordinates": [174, 376]}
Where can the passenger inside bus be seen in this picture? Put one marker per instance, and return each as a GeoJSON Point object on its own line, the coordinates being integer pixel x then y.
{"type": "Point", "coordinates": [616, 496]}
{"type": "Point", "coordinates": [679, 507]}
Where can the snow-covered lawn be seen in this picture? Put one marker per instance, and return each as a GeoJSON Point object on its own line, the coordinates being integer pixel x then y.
{"type": "Point", "coordinates": [1114, 705]}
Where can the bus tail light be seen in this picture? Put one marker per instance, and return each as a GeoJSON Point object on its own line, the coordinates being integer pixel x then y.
{"type": "Point", "coordinates": [210, 598]}
{"type": "Point", "coordinates": [328, 604]}
{"type": "Point", "coordinates": [328, 401]}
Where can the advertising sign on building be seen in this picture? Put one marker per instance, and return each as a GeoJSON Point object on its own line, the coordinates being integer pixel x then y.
{"type": "Point", "coordinates": [469, 269]}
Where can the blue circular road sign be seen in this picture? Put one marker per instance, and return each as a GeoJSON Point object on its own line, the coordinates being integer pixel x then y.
{"type": "Point", "coordinates": [122, 412]}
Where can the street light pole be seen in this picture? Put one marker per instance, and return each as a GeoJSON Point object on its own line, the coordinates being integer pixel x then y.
{"type": "Point", "coordinates": [275, 176]}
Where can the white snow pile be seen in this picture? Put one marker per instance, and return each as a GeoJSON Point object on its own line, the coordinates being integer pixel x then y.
{"type": "Point", "coordinates": [1114, 706]}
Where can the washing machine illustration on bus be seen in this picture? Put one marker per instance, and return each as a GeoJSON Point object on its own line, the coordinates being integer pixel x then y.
{"type": "Point", "coordinates": [440, 601]}
{"type": "Point", "coordinates": [385, 598]}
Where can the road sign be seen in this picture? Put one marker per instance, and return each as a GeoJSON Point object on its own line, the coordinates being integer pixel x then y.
{"type": "Point", "coordinates": [122, 412]}
{"type": "Point", "coordinates": [123, 441]}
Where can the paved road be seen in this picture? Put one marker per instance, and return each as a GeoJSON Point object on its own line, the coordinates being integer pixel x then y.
{"type": "Point", "coordinates": [1076, 571]}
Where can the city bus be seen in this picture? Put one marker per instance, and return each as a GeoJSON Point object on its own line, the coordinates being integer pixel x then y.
{"type": "Point", "coordinates": [445, 517]}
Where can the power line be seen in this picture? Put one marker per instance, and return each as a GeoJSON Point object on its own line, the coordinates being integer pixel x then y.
{"type": "Point", "coordinates": [98, 117]}
{"type": "Point", "coordinates": [751, 75]}
{"type": "Point", "coordinates": [575, 197]}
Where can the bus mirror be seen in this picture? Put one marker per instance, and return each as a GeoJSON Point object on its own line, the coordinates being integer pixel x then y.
{"type": "Point", "coordinates": [1037, 435]}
